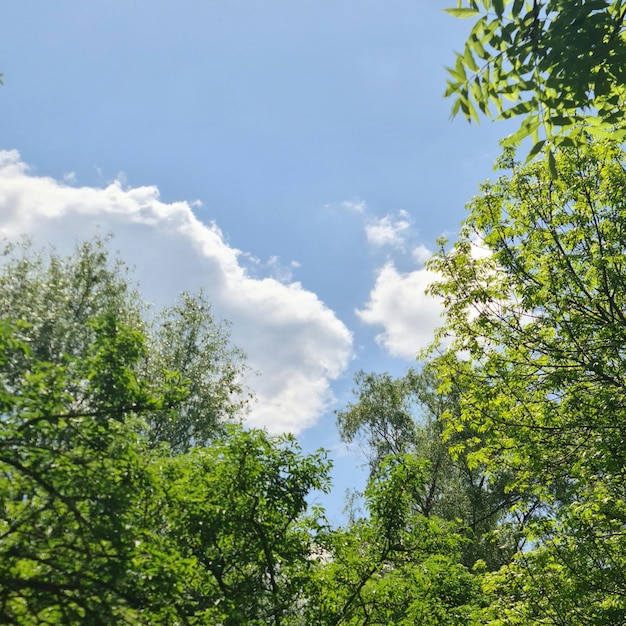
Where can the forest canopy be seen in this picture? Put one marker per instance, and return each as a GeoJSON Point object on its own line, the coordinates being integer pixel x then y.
{"type": "Point", "coordinates": [539, 318]}
{"type": "Point", "coordinates": [130, 493]}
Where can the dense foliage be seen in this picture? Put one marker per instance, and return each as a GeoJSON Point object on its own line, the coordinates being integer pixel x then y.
{"type": "Point", "coordinates": [66, 304]}
{"type": "Point", "coordinates": [129, 493]}
{"type": "Point", "coordinates": [539, 316]}
{"type": "Point", "coordinates": [404, 418]}
{"type": "Point", "coordinates": [104, 520]}
{"type": "Point", "coordinates": [557, 64]}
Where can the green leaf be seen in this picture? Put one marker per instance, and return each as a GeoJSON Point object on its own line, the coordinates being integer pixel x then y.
{"type": "Point", "coordinates": [479, 50]}
{"type": "Point", "coordinates": [518, 109]}
{"type": "Point", "coordinates": [468, 58]}
{"type": "Point", "coordinates": [552, 165]}
{"type": "Point", "coordinates": [478, 95]}
{"type": "Point", "coordinates": [455, 107]}
{"type": "Point", "coordinates": [536, 149]}
{"type": "Point", "coordinates": [564, 141]}
{"type": "Point", "coordinates": [459, 67]}
{"type": "Point", "coordinates": [462, 12]}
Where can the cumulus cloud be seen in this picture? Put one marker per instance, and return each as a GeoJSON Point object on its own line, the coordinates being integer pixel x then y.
{"type": "Point", "coordinates": [292, 339]}
{"type": "Point", "coordinates": [398, 303]}
{"type": "Point", "coordinates": [388, 230]}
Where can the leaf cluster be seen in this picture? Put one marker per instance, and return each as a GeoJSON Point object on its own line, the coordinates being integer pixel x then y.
{"type": "Point", "coordinates": [558, 65]}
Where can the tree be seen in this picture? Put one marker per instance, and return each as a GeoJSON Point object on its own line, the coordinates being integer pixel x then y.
{"type": "Point", "coordinates": [99, 522]}
{"type": "Point", "coordinates": [395, 565]}
{"type": "Point", "coordinates": [71, 478]}
{"type": "Point", "coordinates": [185, 338]}
{"type": "Point", "coordinates": [98, 528]}
{"type": "Point", "coordinates": [406, 416]}
{"type": "Point", "coordinates": [559, 63]}
{"type": "Point", "coordinates": [539, 316]}
{"type": "Point", "coordinates": [238, 511]}
{"type": "Point", "coordinates": [61, 297]}
{"type": "Point", "coordinates": [383, 419]}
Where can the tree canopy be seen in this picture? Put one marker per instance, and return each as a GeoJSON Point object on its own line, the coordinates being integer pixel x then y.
{"type": "Point", "coordinates": [404, 418]}
{"type": "Point", "coordinates": [394, 565]}
{"type": "Point", "coordinates": [64, 301]}
{"type": "Point", "coordinates": [102, 520]}
{"type": "Point", "coordinates": [538, 329]}
{"type": "Point", "coordinates": [129, 495]}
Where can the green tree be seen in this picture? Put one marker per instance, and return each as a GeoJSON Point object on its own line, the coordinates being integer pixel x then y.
{"type": "Point", "coordinates": [70, 479]}
{"type": "Point", "coordinates": [406, 416]}
{"type": "Point", "coordinates": [185, 338]}
{"type": "Point", "coordinates": [102, 521]}
{"type": "Point", "coordinates": [395, 565]}
{"type": "Point", "coordinates": [98, 528]}
{"type": "Point", "coordinates": [60, 297]}
{"type": "Point", "coordinates": [556, 64]}
{"type": "Point", "coordinates": [539, 316]}
{"type": "Point", "coordinates": [238, 510]}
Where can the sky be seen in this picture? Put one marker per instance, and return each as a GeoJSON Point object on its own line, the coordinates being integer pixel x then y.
{"type": "Point", "coordinates": [295, 160]}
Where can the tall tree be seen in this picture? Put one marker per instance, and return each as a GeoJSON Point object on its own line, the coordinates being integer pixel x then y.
{"type": "Point", "coordinates": [60, 297]}
{"type": "Point", "coordinates": [100, 525]}
{"type": "Point", "coordinates": [186, 338]}
{"type": "Point", "coordinates": [406, 416]}
{"type": "Point", "coordinates": [539, 316]}
{"type": "Point", "coordinates": [238, 511]}
{"type": "Point", "coordinates": [70, 479]}
{"type": "Point", "coordinates": [559, 65]}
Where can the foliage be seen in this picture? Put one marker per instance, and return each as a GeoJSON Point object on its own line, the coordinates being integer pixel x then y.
{"type": "Point", "coordinates": [539, 316]}
{"type": "Point", "coordinates": [111, 511]}
{"type": "Point", "coordinates": [62, 298]}
{"type": "Point", "coordinates": [404, 416]}
{"type": "Point", "coordinates": [395, 566]}
{"type": "Point", "coordinates": [559, 65]}
{"type": "Point", "coordinates": [68, 482]}
{"type": "Point", "coordinates": [186, 339]}
{"type": "Point", "coordinates": [97, 528]}
{"type": "Point", "coordinates": [383, 418]}
{"type": "Point", "coordinates": [237, 510]}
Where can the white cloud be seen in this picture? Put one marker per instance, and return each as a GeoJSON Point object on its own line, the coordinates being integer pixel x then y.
{"type": "Point", "coordinates": [387, 230]}
{"type": "Point", "coordinates": [399, 304]}
{"type": "Point", "coordinates": [296, 342]}
{"type": "Point", "coordinates": [278, 270]}
{"type": "Point", "coordinates": [421, 254]}
{"type": "Point", "coordinates": [354, 207]}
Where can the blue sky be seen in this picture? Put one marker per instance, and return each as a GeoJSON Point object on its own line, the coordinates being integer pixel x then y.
{"type": "Point", "coordinates": [295, 159]}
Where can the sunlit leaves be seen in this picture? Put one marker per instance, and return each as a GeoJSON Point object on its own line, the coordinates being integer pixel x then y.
{"type": "Point", "coordinates": [462, 12]}
{"type": "Point", "coordinates": [238, 511]}
{"type": "Point", "coordinates": [394, 566]}
{"type": "Point", "coordinates": [538, 360]}
{"type": "Point", "coordinates": [97, 528]}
